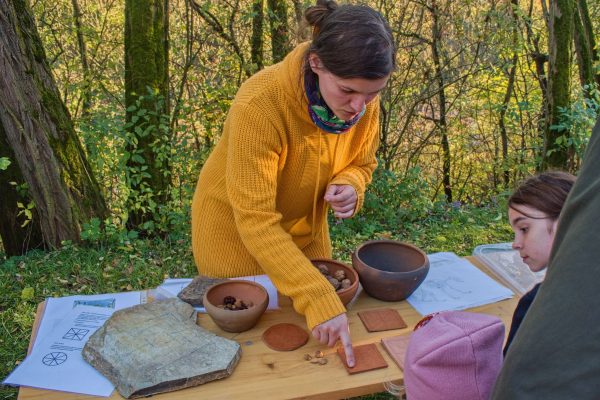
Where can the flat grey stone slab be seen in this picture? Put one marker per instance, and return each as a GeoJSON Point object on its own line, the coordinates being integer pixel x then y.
{"type": "Point", "coordinates": [157, 347]}
{"type": "Point", "coordinates": [194, 292]}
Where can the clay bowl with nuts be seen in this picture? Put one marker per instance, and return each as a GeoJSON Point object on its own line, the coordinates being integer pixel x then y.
{"type": "Point", "coordinates": [342, 277]}
{"type": "Point", "coordinates": [390, 270]}
{"type": "Point", "coordinates": [236, 305]}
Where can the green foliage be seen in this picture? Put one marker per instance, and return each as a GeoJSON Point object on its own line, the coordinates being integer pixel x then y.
{"type": "Point", "coordinates": [390, 201]}
{"type": "Point", "coordinates": [400, 210]}
{"type": "Point", "coordinates": [25, 211]}
{"type": "Point", "coordinates": [4, 163]}
{"type": "Point", "coordinates": [27, 294]}
{"type": "Point", "coordinates": [577, 122]}
{"type": "Point", "coordinates": [107, 233]}
{"type": "Point", "coordinates": [146, 159]}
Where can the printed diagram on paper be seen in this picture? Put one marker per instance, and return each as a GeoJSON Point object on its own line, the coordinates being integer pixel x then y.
{"type": "Point", "coordinates": [52, 359]}
{"type": "Point", "coordinates": [76, 334]}
{"type": "Point", "coordinates": [55, 361]}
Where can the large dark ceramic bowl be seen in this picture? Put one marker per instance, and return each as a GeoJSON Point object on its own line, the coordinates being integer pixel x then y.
{"type": "Point", "coordinates": [390, 270]}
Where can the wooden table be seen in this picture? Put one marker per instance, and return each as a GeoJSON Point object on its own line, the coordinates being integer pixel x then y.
{"type": "Point", "coordinates": [266, 374]}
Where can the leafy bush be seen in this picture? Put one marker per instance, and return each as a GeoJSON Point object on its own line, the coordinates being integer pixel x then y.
{"type": "Point", "coordinates": [578, 121]}
{"type": "Point", "coordinates": [400, 209]}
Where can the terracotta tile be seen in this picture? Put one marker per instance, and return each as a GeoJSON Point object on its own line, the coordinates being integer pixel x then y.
{"type": "Point", "coordinates": [381, 320]}
{"type": "Point", "coordinates": [285, 337]}
{"type": "Point", "coordinates": [367, 358]}
{"type": "Point", "coordinates": [396, 347]}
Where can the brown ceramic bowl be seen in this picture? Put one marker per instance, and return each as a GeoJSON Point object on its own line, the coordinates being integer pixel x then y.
{"type": "Point", "coordinates": [390, 270]}
{"type": "Point", "coordinates": [236, 320]}
{"type": "Point", "coordinates": [332, 265]}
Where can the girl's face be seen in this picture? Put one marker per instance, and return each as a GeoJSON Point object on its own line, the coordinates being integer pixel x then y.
{"type": "Point", "coordinates": [534, 235]}
{"type": "Point", "coordinates": [345, 97]}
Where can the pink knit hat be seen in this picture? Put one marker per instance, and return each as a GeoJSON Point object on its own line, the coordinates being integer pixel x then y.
{"type": "Point", "coordinates": [454, 355]}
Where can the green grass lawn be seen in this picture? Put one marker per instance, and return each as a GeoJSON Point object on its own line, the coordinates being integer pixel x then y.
{"type": "Point", "coordinates": [124, 265]}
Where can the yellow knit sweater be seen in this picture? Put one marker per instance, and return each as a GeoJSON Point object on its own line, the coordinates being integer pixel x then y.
{"type": "Point", "coordinates": [258, 206]}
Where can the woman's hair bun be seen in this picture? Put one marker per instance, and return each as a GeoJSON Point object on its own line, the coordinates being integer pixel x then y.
{"type": "Point", "coordinates": [315, 15]}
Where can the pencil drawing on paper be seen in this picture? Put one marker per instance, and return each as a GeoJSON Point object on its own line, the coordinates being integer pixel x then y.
{"type": "Point", "coordinates": [442, 289]}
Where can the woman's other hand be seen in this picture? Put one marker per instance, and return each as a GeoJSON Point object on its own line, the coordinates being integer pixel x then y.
{"type": "Point", "coordinates": [342, 199]}
{"type": "Point", "coordinates": [330, 331]}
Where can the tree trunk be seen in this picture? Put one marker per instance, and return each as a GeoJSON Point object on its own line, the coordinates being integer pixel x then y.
{"type": "Point", "coordinates": [442, 122]}
{"type": "Point", "coordinates": [584, 48]}
{"type": "Point", "coordinates": [501, 121]}
{"type": "Point", "coordinates": [147, 102]}
{"type": "Point", "coordinates": [38, 129]}
{"type": "Point", "coordinates": [509, 90]}
{"type": "Point", "coordinates": [559, 75]}
{"type": "Point", "coordinates": [16, 233]}
{"type": "Point", "coordinates": [279, 29]}
{"type": "Point", "coordinates": [540, 59]}
{"type": "Point", "coordinates": [258, 17]}
{"type": "Point", "coordinates": [302, 31]}
{"type": "Point", "coordinates": [86, 95]}
{"type": "Point", "coordinates": [588, 33]}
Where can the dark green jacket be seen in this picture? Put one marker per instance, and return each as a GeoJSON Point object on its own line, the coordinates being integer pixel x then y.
{"type": "Point", "coordinates": [556, 352]}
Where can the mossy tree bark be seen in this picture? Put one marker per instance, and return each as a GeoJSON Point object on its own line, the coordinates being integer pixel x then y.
{"type": "Point", "coordinates": [585, 46]}
{"type": "Point", "coordinates": [278, 18]}
{"type": "Point", "coordinates": [147, 102]}
{"type": "Point", "coordinates": [560, 39]}
{"type": "Point", "coordinates": [258, 17]}
{"type": "Point", "coordinates": [17, 234]}
{"type": "Point", "coordinates": [38, 129]}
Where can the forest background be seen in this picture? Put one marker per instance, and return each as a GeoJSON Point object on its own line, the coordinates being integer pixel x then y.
{"type": "Point", "coordinates": [109, 109]}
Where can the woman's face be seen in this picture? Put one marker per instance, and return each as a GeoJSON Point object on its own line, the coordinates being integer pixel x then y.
{"type": "Point", "coordinates": [534, 235]}
{"type": "Point", "coordinates": [345, 97]}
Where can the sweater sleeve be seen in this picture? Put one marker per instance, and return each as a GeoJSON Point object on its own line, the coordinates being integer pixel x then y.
{"type": "Point", "coordinates": [359, 172]}
{"type": "Point", "coordinates": [254, 153]}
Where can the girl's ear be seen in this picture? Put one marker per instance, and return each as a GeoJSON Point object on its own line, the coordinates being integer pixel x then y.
{"type": "Point", "coordinates": [315, 62]}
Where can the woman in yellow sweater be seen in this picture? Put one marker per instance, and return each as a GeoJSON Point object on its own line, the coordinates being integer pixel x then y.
{"type": "Point", "coordinates": [300, 137]}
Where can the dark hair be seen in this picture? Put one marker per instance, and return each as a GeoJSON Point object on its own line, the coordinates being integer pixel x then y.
{"type": "Point", "coordinates": [546, 192]}
{"type": "Point", "coordinates": [351, 41]}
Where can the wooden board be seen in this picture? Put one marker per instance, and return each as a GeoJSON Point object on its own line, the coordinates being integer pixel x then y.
{"type": "Point", "coordinates": [267, 374]}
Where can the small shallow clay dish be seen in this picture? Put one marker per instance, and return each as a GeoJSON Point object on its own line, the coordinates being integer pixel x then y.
{"type": "Point", "coordinates": [390, 270]}
{"type": "Point", "coordinates": [332, 265]}
{"type": "Point", "coordinates": [236, 320]}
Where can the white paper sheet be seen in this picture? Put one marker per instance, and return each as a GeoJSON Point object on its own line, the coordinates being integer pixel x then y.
{"type": "Point", "coordinates": [55, 361]}
{"type": "Point", "coordinates": [453, 283]}
{"type": "Point", "coordinates": [58, 307]}
{"type": "Point", "coordinates": [172, 287]}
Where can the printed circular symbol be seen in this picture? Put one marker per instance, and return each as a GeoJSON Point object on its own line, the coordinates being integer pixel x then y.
{"type": "Point", "coordinates": [52, 359]}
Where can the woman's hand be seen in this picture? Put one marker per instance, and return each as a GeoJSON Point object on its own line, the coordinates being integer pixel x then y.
{"type": "Point", "coordinates": [330, 331]}
{"type": "Point", "coordinates": [342, 199]}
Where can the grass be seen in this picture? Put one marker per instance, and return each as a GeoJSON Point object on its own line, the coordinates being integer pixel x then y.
{"type": "Point", "coordinates": [141, 264]}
